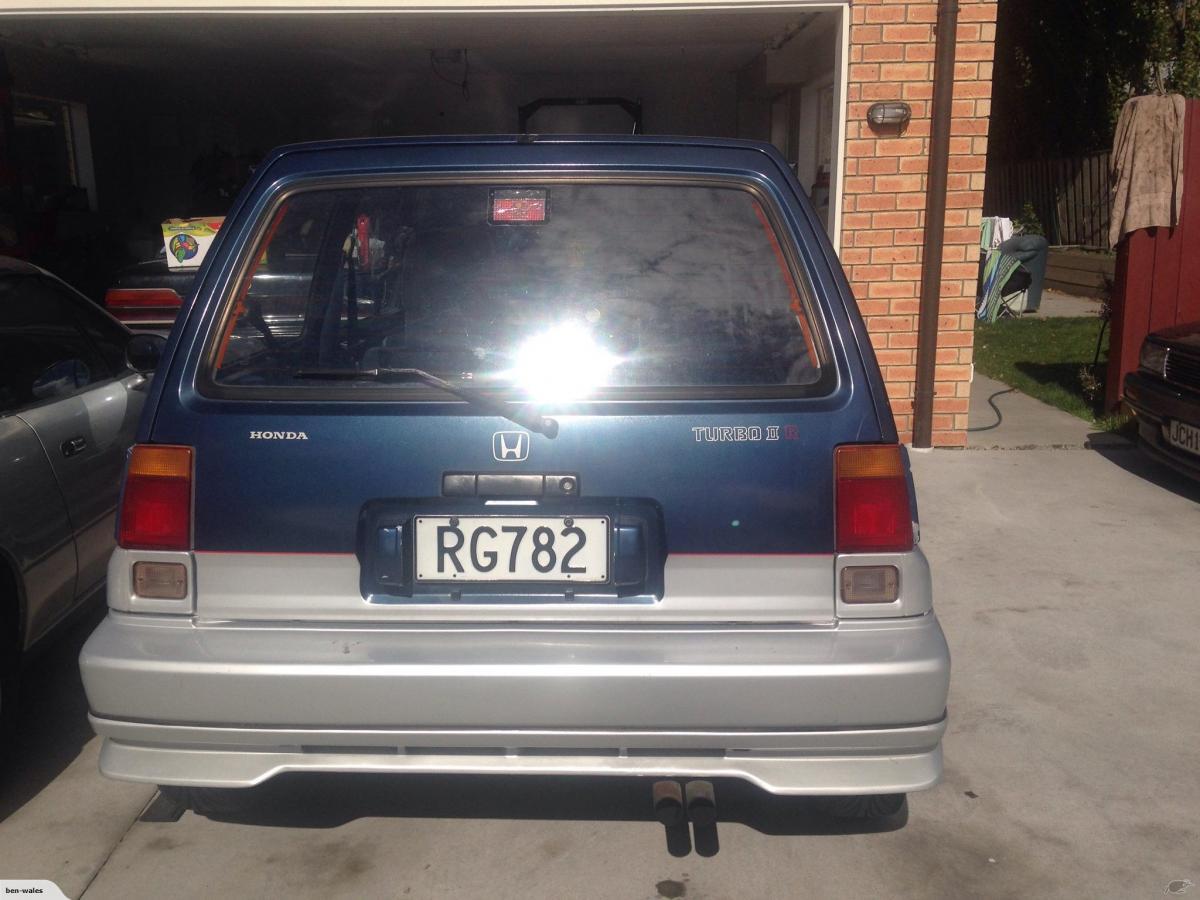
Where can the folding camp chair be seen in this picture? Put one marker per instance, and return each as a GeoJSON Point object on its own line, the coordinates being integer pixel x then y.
{"type": "Point", "coordinates": [1003, 280]}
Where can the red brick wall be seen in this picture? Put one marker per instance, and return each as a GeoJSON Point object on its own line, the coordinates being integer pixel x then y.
{"type": "Point", "coordinates": [891, 58]}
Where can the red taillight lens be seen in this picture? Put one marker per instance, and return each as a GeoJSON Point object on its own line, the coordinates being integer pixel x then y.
{"type": "Point", "coordinates": [873, 512]}
{"type": "Point", "coordinates": [141, 298]}
{"type": "Point", "coordinates": [156, 510]}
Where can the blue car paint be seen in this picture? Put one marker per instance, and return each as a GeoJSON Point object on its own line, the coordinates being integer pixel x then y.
{"type": "Point", "coordinates": [305, 495]}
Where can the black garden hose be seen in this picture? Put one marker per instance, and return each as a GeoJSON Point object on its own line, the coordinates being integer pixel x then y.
{"type": "Point", "coordinates": [999, 415]}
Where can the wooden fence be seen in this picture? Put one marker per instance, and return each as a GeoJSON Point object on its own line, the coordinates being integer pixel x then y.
{"type": "Point", "coordinates": [1071, 196]}
{"type": "Point", "coordinates": [1083, 273]}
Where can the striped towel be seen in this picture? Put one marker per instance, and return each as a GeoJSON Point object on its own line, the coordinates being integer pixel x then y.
{"type": "Point", "coordinates": [997, 269]}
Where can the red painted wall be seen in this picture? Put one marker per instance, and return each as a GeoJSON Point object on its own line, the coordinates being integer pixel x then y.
{"type": "Point", "coordinates": [1157, 280]}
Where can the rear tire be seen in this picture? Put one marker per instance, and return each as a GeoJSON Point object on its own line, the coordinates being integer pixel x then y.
{"type": "Point", "coordinates": [871, 806]}
{"type": "Point", "coordinates": [9, 691]}
{"type": "Point", "coordinates": [10, 651]}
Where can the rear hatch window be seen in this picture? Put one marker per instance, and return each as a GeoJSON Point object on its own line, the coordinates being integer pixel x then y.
{"type": "Point", "coordinates": [550, 290]}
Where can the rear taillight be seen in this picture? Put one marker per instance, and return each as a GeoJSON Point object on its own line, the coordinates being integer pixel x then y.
{"type": "Point", "coordinates": [156, 509]}
{"type": "Point", "coordinates": [141, 298]}
{"type": "Point", "coordinates": [873, 512]}
{"type": "Point", "coordinates": [143, 306]}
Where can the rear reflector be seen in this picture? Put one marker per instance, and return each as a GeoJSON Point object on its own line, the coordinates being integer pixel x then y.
{"type": "Point", "coordinates": [156, 507]}
{"type": "Point", "coordinates": [518, 206]}
{"type": "Point", "coordinates": [873, 512]}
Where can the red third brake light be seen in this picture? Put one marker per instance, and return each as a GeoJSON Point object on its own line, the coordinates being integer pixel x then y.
{"type": "Point", "coordinates": [873, 512]}
{"type": "Point", "coordinates": [156, 509]}
{"type": "Point", "coordinates": [518, 206]}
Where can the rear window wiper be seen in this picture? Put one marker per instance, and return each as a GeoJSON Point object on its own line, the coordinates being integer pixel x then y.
{"type": "Point", "coordinates": [521, 415]}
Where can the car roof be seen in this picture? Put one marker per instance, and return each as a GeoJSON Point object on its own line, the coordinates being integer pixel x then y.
{"type": "Point", "coordinates": [13, 266]}
{"type": "Point", "coordinates": [494, 139]}
{"type": "Point", "coordinates": [18, 266]}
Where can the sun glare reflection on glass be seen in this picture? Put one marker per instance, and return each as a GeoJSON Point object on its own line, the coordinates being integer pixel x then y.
{"type": "Point", "coordinates": [560, 364]}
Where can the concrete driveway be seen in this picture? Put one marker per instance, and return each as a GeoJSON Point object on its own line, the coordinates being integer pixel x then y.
{"type": "Point", "coordinates": [1067, 584]}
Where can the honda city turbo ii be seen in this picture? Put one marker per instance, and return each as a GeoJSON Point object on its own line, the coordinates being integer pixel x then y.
{"type": "Point", "coordinates": [574, 457]}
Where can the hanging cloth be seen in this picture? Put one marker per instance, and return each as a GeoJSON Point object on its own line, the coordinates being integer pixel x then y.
{"type": "Point", "coordinates": [1147, 165]}
{"type": "Point", "coordinates": [994, 231]}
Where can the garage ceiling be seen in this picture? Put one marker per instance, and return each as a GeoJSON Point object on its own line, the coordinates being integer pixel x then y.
{"type": "Point", "coordinates": [631, 42]}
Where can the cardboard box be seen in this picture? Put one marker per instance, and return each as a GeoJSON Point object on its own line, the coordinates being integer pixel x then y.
{"type": "Point", "coordinates": [187, 240]}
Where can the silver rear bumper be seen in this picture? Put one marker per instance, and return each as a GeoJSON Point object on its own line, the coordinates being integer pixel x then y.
{"type": "Point", "coordinates": [883, 761]}
{"type": "Point", "coordinates": [856, 708]}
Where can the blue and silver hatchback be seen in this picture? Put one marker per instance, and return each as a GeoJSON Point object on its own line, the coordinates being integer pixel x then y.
{"type": "Point", "coordinates": [512, 455]}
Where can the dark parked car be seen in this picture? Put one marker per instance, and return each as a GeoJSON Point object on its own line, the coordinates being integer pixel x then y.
{"type": "Point", "coordinates": [146, 296]}
{"type": "Point", "coordinates": [71, 393]}
{"type": "Point", "coordinates": [575, 459]}
{"type": "Point", "coordinates": [1164, 393]}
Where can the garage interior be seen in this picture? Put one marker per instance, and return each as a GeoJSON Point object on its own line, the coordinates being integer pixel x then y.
{"type": "Point", "coordinates": [120, 122]}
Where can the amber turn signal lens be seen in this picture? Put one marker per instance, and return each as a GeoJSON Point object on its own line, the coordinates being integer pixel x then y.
{"type": "Point", "coordinates": [869, 461]}
{"type": "Point", "coordinates": [161, 461]}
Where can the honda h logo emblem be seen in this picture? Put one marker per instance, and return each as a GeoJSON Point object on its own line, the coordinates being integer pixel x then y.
{"type": "Point", "coordinates": [510, 446]}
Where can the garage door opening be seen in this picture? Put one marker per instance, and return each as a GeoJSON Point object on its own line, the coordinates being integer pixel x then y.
{"type": "Point", "coordinates": [180, 107]}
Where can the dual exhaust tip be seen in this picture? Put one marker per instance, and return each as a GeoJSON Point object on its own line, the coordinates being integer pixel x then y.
{"type": "Point", "coordinates": [675, 805]}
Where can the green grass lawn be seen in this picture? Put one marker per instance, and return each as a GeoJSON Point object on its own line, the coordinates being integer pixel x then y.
{"type": "Point", "coordinates": [1051, 360]}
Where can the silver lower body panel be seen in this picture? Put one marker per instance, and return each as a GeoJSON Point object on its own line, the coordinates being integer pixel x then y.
{"type": "Point", "coordinates": [883, 761]}
{"type": "Point", "coordinates": [850, 709]}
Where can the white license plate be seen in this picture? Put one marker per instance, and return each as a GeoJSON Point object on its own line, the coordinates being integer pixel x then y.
{"type": "Point", "coordinates": [1184, 436]}
{"type": "Point", "coordinates": [512, 548]}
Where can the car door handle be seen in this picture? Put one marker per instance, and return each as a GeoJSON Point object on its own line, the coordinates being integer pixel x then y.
{"type": "Point", "coordinates": [74, 445]}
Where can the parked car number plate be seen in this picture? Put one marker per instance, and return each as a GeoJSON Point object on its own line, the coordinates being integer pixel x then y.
{"type": "Point", "coordinates": [512, 548]}
{"type": "Point", "coordinates": [1184, 436]}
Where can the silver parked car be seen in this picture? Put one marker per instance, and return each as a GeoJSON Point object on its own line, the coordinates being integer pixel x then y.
{"type": "Point", "coordinates": [72, 387]}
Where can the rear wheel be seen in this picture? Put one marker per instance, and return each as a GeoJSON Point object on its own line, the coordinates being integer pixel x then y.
{"type": "Point", "coordinates": [874, 806]}
{"type": "Point", "coordinates": [9, 678]}
{"type": "Point", "coordinates": [10, 648]}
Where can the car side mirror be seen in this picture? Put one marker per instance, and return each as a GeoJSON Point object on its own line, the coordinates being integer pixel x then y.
{"type": "Point", "coordinates": [143, 352]}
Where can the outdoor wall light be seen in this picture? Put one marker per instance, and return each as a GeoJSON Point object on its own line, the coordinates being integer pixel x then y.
{"type": "Point", "coordinates": [893, 114]}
